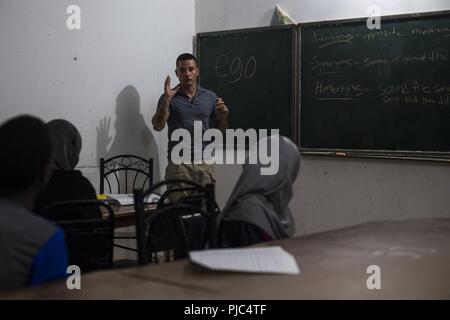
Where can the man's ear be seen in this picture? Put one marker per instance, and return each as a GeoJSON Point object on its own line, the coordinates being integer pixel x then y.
{"type": "Point", "coordinates": [176, 72]}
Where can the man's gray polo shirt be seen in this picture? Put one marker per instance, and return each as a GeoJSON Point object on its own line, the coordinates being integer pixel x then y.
{"type": "Point", "coordinates": [184, 111]}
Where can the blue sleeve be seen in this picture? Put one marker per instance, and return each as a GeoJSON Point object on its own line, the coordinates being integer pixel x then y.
{"type": "Point", "coordinates": [51, 261]}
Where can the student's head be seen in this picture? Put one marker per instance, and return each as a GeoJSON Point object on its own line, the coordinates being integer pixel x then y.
{"type": "Point", "coordinates": [66, 142]}
{"type": "Point", "coordinates": [262, 200]}
{"type": "Point", "coordinates": [26, 149]}
{"type": "Point", "coordinates": [187, 69]}
{"type": "Point", "coordinates": [277, 188]}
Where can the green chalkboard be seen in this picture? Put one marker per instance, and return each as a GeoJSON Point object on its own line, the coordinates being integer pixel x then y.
{"type": "Point", "coordinates": [253, 71]}
{"type": "Point", "coordinates": [385, 90]}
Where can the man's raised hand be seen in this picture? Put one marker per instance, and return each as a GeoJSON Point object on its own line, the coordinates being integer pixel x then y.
{"type": "Point", "coordinates": [168, 92]}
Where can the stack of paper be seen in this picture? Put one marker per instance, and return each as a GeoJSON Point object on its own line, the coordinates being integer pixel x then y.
{"type": "Point", "coordinates": [262, 260]}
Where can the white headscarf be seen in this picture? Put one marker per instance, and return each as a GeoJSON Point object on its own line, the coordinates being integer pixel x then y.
{"type": "Point", "coordinates": [262, 200]}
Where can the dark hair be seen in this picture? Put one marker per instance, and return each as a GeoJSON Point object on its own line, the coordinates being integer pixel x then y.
{"type": "Point", "coordinates": [26, 152]}
{"type": "Point", "coordinates": [186, 56]}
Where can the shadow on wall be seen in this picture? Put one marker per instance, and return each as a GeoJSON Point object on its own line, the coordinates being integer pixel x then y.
{"type": "Point", "coordinates": [132, 134]}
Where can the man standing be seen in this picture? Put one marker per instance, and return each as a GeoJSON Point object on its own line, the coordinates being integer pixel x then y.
{"type": "Point", "coordinates": [180, 107]}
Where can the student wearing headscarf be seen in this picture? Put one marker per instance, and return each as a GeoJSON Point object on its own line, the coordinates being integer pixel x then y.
{"type": "Point", "coordinates": [257, 209]}
{"type": "Point", "coordinates": [66, 183]}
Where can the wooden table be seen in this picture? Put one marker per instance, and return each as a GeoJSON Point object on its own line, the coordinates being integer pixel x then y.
{"type": "Point", "coordinates": [413, 256]}
{"type": "Point", "coordinates": [124, 215]}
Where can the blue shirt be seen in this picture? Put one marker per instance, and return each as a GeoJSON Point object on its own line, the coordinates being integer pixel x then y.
{"type": "Point", "coordinates": [50, 263]}
{"type": "Point", "coordinates": [184, 111]}
{"type": "Point", "coordinates": [32, 249]}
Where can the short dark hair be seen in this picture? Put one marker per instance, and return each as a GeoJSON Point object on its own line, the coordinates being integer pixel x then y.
{"type": "Point", "coordinates": [186, 56]}
{"type": "Point", "coordinates": [26, 152]}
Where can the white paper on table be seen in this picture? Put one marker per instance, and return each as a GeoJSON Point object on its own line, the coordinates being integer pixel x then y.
{"type": "Point", "coordinates": [259, 260]}
{"type": "Point", "coordinates": [128, 199]}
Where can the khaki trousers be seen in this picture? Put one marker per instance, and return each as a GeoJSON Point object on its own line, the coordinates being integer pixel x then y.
{"type": "Point", "coordinates": [202, 174]}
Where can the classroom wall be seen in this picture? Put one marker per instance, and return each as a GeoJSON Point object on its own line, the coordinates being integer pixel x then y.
{"type": "Point", "coordinates": [337, 192]}
{"type": "Point", "coordinates": [105, 78]}
{"type": "Point", "coordinates": [214, 15]}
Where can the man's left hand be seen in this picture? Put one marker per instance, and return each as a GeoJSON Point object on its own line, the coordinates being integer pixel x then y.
{"type": "Point", "coordinates": [221, 108]}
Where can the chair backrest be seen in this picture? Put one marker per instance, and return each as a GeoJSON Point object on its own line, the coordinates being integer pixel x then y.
{"type": "Point", "coordinates": [184, 194]}
{"type": "Point", "coordinates": [124, 173]}
{"type": "Point", "coordinates": [89, 241]}
{"type": "Point", "coordinates": [176, 227]}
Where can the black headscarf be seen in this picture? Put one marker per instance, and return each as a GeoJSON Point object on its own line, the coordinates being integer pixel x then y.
{"type": "Point", "coordinates": [67, 144]}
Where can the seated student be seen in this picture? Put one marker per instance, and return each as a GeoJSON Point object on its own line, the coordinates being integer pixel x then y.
{"type": "Point", "coordinates": [257, 209]}
{"type": "Point", "coordinates": [66, 183]}
{"type": "Point", "coordinates": [32, 250]}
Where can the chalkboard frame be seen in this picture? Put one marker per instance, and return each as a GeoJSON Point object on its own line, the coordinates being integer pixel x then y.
{"type": "Point", "coordinates": [295, 115]}
{"type": "Point", "coordinates": [362, 153]}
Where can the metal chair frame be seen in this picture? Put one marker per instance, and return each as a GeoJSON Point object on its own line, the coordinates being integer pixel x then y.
{"type": "Point", "coordinates": [142, 225]}
{"type": "Point", "coordinates": [88, 228]}
{"type": "Point", "coordinates": [131, 166]}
